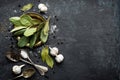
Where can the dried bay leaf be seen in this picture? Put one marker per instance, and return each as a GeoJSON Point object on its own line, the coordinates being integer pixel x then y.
{"type": "Point", "coordinates": [36, 21]}
{"type": "Point", "coordinates": [44, 53]}
{"type": "Point", "coordinates": [46, 57]}
{"type": "Point", "coordinates": [23, 41]}
{"type": "Point", "coordinates": [43, 37]}
{"type": "Point", "coordinates": [44, 31]}
{"type": "Point", "coordinates": [40, 26]}
{"type": "Point", "coordinates": [49, 61]}
{"type": "Point", "coordinates": [16, 21]}
{"type": "Point", "coordinates": [19, 32]}
{"type": "Point", "coordinates": [26, 20]}
{"type": "Point", "coordinates": [30, 31]}
{"type": "Point", "coordinates": [27, 7]}
{"type": "Point", "coordinates": [33, 40]}
{"type": "Point", "coordinates": [46, 27]}
{"type": "Point", "coordinates": [17, 28]}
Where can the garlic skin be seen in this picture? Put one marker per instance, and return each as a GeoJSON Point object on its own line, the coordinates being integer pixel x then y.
{"type": "Point", "coordinates": [42, 7]}
{"type": "Point", "coordinates": [24, 54]}
{"type": "Point", "coordinates": [54, 51]}
{"type": "Point", "coordinates": [59, 58]}
{"type": "Point", "coordinates": [17, 69]}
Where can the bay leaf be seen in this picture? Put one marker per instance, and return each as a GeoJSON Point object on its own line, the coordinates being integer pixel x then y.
{"type": "Point", "coordinates": [40, 26]}
{"type": "Point", "coordinates": [44, 53]}
{"type": "Point", "coordinates": [27, 7]}
{"type": "Point", "coordinates": [16, 21]}
{"type": "Point", "coordinates": [44, 31]}
{"type": "Point", "coordinates": [19, 32]}
{"type": "Point", "coordinates": [30, 31]}
{"type": "Point", "coordinates": [36, 21]}
{"type": "Point", "coordinates": [46, 27]}
{"type": "Point", "coordinates": [23, 41]}
{"type": "Point", "coordinates": [49, 61]}
{"type": "Point", "coordinates": [33, 40]}
{"type": "Point", "coordinates": [17, 28]}
{"type": "Point", "coordinates": [46, 57]}
{"type": "Point", "coordinates": [26, 20]}
{"type": "Point", "coordinates": [43, 37]}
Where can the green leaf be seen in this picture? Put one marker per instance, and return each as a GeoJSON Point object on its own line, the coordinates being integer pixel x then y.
{"type": "Point", "coordinates": [46, 27]}
{"type": "Point", "coordinates": [46, 57]}
{"type": "Point", "coordinates": [17, 28]}
{"type": "Point", "coordinates": [49, 61]}
{"type": "Point", "coordinates": [33, 40]}
{"type": "Point", "coordinates": [15, 21]}
{"type": "Point", "coordinates": [23, 41]}
{"type": "Point", "coordinates": [44, 53]}
{"type": "Point", "coordinates": [14, 18]}
{"type": "Point", "coordinates": [27, 7]}
{"type": "Point", "coordinates": [43, 37]}
{"type": "Point", "coordinates": [40, 26]}
{"type": "Point", "coordinates": [19, 32]}
{"type": "Point", "coordinates": [30, 31]}
{"type": "Point", "coordinates": [26, 20]}
{"type": "Point", "coordinates": [36, 21]}
{"type": "Point", "coordinates": [44, 31]}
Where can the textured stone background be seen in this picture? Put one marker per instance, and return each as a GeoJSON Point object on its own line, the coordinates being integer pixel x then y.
{"type": "Point", "coordinates": [87, 36]}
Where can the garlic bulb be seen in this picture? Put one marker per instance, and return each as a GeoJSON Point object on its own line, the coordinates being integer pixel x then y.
{"type": "Point", "coordinates": [54, 51]}
{"type": "Point", "coordinates": [42, 7]}
{"type": "Point", "coordinates": [24, 54]}
{"type": "Point", "coordinates": [17, 69]}
{"type": "Point", "coordinates": [59, 58]}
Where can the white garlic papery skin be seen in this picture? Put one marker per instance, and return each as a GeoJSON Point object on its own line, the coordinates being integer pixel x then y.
{"type": "Point", "coordinates": [59, 58]}
{"type": "Point", "coordinates": [54, 51]}
{"type": "Point", "coordinates": [24, 54]}
{"type": "Point", "coordinates": [42, 7]}
{"type": "Point", "coordinates": [17, 69]}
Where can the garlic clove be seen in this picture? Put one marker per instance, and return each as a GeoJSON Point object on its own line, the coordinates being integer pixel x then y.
{"type": "Point", "coordinates": [54, 51]}
{"type": "Point", "coordinates": [59, 58]}
{"type": "Point", "coordinates": [42, 7]}
{"type": "Point", "coordinates": [17, 69]}
{"type": "Point", "coordinates": [24, 54]}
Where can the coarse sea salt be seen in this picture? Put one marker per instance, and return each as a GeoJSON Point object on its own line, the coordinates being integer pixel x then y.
{"type": "Point", "coordinates": [53, 28]}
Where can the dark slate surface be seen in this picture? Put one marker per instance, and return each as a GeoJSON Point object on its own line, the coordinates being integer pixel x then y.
{"type": "Point", "coordinates": [88, 37]}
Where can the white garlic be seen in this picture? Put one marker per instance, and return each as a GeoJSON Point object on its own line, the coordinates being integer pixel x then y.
{"type": "Point", "coordinates": [42, 7]}
{"type": "Point", "coordinates": [17, 69]}
{"type": "Point", "coordinates": [59, 58]}
{"type": "Point", "coordinates": [24, 54]}
{"type": "Point", "coordinates": [54, 51]}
